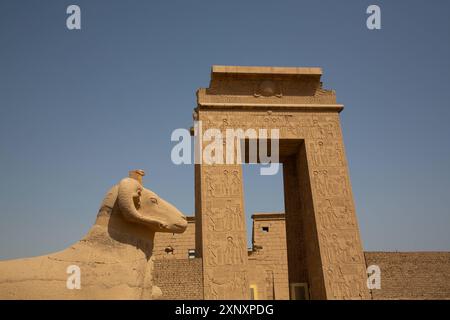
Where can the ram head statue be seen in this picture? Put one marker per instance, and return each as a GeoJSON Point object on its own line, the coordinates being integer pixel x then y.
{"type": "Point", "coordinates": [114, 259]}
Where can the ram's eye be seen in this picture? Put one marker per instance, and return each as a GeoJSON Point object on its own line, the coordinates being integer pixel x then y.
{"type": "Point", "coordinates": [154, 200]}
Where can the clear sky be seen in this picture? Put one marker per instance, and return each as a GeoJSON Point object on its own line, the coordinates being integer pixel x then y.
{"type": "Point", "coordinates": [78, 109]}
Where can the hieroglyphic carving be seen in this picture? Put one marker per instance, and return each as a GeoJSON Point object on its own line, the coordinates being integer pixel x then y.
{"type": "Point", "coordinates": [222, 181]}
{"type": "Point", "coordinates": [225, 249]}
{"type": "Point", "coordinates": [323, 126]}
{"type": "Point", "coordinates": [224, 215]}
{"type": "Point", "coordinates": [233, 251]}
{"type": "Point", "coordinates": [330, 182]}
{"type": "Point", "coordinates": [224, 239]}
{"type": "Point", "coordinates": [220, 286]}
{"type": "Point", "coordinates": [326, 153]}
{"type": "Point", "coordinates": [339, 247]}
{"type": "Point", "coordinates": [335, 213]}
{"type": "Point", "coordinates": [345, 282]}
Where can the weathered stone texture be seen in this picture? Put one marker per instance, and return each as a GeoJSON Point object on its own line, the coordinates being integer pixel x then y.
{"type": "Point", "coordinates": [179, 279]}
{"type": "Point", "coordinates": [412, 275]}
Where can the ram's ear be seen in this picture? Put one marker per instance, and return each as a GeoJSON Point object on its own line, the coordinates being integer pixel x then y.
{"type": "Point", "coordinates": [128, 198]}
{"type": "Point", "coordinates": [129, 201]}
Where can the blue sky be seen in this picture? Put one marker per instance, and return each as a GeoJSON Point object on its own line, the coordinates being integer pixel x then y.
{"type": "Point", "coordinates": [78, 109]}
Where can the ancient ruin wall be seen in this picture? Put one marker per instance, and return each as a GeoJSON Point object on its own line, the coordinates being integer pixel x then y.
{"type": "Point", "coordinates": [412, 275]}
{"type": "Point", "coordinates": [179, 279]}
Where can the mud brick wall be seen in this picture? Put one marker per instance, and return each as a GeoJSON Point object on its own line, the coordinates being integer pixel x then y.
{"type": "Point", "coordinates": [179, 279]}
{"type": "Point", "coordinates": [181, 243]}
{"type": "Point", "coordinates": [412, 275]}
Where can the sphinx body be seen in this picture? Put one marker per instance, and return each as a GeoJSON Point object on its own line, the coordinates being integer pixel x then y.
{"type": "Point", "coordinates": [114, 258]}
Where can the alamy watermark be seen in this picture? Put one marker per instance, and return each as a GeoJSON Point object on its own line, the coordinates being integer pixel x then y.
{"type": "Point", "coordinates": [74, 278]}
{"type": "Point", "coordinates": [73, 22]}
{"type": "Point", "coordinates": [215, 147]}
{"type": "Point", "coordinates": [374, 278]}
{"type": "Point", "coordinates": [373, 21]}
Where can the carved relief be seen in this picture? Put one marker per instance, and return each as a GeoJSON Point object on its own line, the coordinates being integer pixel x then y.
{"type": "Point", "coordinates": [222, 181]}
{"type": "Point", "coordinates": [212, 257]}
{"type": "Point", "coordinates": [224, 215]}
{"type": "Point", "coordinates": [233, 251]}
{"type": "Point", "coordinates": [330, 182]}
{"type": "Point", "coordinates": [225, 249]}
{"type": "Point", "coordinates": [326, 154]}
{"type": "Point", "coordinates": [318, 126]}
{"type": "Point", "coordinates": [268, 88]}
{"type": "Point", "coordinates": [245, 94]}
{"type": "Point", "coordinates": [344, 282]}
{"type": "Point", "coordinates": [340, 247]}
{"type": "Point", "coordinates": [220, 287]}
{"type": "Point", "coordinates": [336, 213]}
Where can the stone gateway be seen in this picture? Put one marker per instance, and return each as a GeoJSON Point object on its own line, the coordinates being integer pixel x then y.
{"type": "Point", "coordinates": [324, 248]}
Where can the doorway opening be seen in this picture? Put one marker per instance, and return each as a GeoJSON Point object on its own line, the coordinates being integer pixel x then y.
{"type": "Point", "coordinates": [286, 197]}
{"type": "Point", "coordinates": [261, 194]}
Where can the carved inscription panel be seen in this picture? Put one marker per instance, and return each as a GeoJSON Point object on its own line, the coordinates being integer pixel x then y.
{"type": "Point", "coordinates": [224, 233]}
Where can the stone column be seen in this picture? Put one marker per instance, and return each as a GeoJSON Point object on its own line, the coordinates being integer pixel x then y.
{"type": "Point", "coordinates": [223, 236]}
{"type": "Point", "coordinates": [341, 252]}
